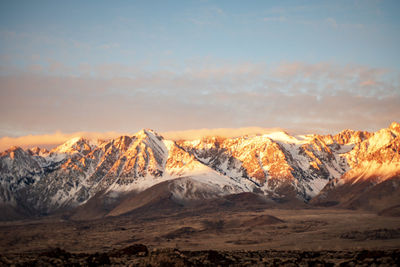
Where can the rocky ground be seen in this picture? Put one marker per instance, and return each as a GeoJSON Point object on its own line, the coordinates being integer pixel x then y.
{"type": "Point", "coordinates": [309, 237]}
{"type": "Point", "coordinates": [139, 255]}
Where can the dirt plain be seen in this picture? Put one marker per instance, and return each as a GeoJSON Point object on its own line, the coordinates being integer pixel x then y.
{"type": "Point", "coordinates": [336, 236]}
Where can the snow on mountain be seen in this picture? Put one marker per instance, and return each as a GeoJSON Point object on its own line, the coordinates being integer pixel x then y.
{"type": "Point", "coordinates": [74, 172]}
{"type": "Point", "coordinates": [273, 161]}
{"type": "Point", "coordinates": [18, 170]}
{"type": "Point", "coordinates": [374, 176]}
{"type": "Point", "coordinates": [277, 165]}
{"type": "Point", "coordinates": [378, 156]}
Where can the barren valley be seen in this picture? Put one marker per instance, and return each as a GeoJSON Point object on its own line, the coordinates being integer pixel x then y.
{"type": "Point", "coordinates": [331, 233]}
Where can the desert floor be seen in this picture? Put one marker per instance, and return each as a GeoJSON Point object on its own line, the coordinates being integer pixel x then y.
{"type": "Point", "coordinates": [278, 229]}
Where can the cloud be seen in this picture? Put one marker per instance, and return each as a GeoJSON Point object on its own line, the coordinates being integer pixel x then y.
{"type": "Point", "coordinates": [52, 140]}
{"type": "Point", "coordinates": [108, 46]}
{"type": "Point", "coordinates": [220, 132]}
{"type": "Point", "coordinates": [368, 83]}
{"type": "Point", "coordinates": [332, 78]}
{"type": "Point", "coordinates": [275, 19]}
{"type": "Point", "coordinates": [210, 15]}
{"type": "Point", "coordinates": [332, 22]}
{"type": "Point", "coordinates": [321, 97]}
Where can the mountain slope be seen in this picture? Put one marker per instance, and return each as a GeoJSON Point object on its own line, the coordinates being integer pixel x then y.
{"type": "Point", "coordinates": [374, 179]}
{"type": "Point", "coordinates": [74, 172]}
{"type": "Point", "coordinates": [280, 164]}
{"type": "Point", "coordinates": [345, 169]}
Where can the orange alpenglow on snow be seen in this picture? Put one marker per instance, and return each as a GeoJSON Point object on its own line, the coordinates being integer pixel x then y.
{"type": "Point", "coordinates": [276, 165]}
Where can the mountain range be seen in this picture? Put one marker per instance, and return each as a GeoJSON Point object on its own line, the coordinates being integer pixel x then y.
{"type": "Point", "coordinates": [90, 179]}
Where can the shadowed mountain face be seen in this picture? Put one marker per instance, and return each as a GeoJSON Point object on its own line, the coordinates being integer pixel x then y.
{"type": "Point", "coordinates": [351, 169]}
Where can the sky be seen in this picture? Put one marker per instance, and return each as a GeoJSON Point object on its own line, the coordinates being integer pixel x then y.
{"type": "Point", "coordinates": [120, 66]}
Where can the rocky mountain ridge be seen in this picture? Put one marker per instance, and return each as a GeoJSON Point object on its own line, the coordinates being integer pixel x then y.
{"type": "Point", "coordinates": [276, 165]}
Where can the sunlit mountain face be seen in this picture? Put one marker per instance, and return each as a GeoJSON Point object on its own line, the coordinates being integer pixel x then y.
{"type": "Point", "coordinates": [348, 169]}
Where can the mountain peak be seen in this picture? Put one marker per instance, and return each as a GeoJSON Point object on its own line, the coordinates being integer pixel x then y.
{"type": "Point", "coordinates": [144, 133]}
{"type": "Point", "coordinates": [283, 137]}
{"type": "Point", "coordinates": [38, 151]}
{"type": "Point", "coordinates": [12, 150]}
{"type": "Point", "coordinates": [395, 126]}
{"type": "Point", "coordinates": [76, 144]}
{"type": "Point", "coordinates": [350, 136]}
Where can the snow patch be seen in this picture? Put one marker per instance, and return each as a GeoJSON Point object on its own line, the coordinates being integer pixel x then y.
{"type": "Point", "coordinates": [285, 138]}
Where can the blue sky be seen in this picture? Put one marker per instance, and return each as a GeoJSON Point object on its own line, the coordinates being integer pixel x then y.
{"type": "Point", "coordinates": [175, 65]}
{"type": "Point", "coordinates": [155, 32]}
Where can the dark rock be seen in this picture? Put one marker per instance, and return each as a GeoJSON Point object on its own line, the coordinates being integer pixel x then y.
{"type": "Point", "coordinates": [136, 249]}
{"type": "Point", "coordinates": [217, 258]}
{"type": "Point", "coordinates": [98, 259]}
{"type": "Point", "coordinates": [56, 253]}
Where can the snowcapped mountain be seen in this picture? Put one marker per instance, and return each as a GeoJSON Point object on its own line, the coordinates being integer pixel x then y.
{"type": "Point", "coordinates": [276, 165]}
{"type": "Point", "coordinates": [280, 165]}
{"type": "Point", "coordinates": [72, 173]}
{"type": "Point", "coordinates": [373, 180]}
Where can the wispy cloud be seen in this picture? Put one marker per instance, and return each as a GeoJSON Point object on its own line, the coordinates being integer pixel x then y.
{"type": "Point", "coordinates": [221, 132]}
{"type": "Point", "coordinates": [323, 97]}
{"type": "Point", "coordinates": [208, 15]}
{"type": "Point", "coordinates": [332, 22]}
{"type": "Point", "coordinates": [108, 46]}
{"type": "Point", "coordinates": [52, 140]}
{"type": "Point", "coordinates": [275, 19]}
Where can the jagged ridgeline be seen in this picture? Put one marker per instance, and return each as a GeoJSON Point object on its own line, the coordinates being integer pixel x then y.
{"type": "Point", "coordinates": [349, 169]}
